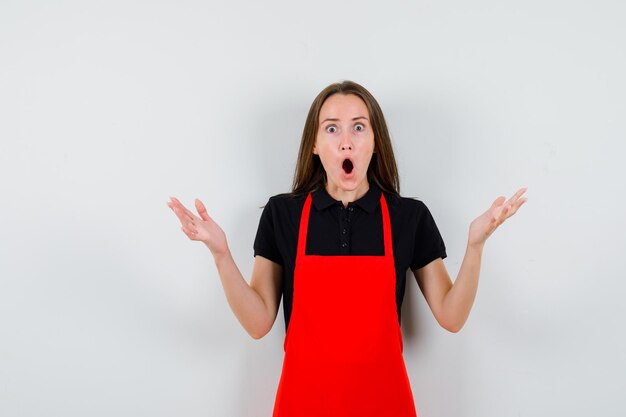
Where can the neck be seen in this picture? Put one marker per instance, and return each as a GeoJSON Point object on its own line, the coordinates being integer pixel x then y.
{"type": "Point", "coordinates": [347, 196]}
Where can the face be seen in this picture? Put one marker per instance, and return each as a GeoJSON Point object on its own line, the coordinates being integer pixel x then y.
{"type": "Point", "coordinates": [345, 143]}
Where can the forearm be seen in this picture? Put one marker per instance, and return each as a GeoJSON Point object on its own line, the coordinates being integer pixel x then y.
{"type": "Point", "coordinates": [244, 301]}
{"type": "Point", "coordinates": [460, 298]}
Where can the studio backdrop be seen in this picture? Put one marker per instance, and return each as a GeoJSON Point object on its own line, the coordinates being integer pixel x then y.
{"type": "Point", "coordinates": [109, 108]}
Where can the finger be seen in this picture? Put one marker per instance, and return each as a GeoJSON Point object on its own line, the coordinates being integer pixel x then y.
{"type": "Point", "coordinates": [512, 204]}
{"type": "Point", "coordinates": [504, 214]}
{"type": "Point", "coordinates": [517, 195]}
{"type": "Point", "coordinates": [202, 210]}
{"type": "Point", "coordinates": [182, 216]}
{"type": "Point", "coordinates": [516, 201]}
{"type": "Point", "coordinates": [182, 208]}
{"type": "Point", "coordinates": [185, 210]}
{"type": "Point", "coordinates": [192, 226]}
{"type": "Point", "coordinates": [517, 205]}
{"type": "Point", "coordinates": [497, 209]}
{"type": "Point", "coordinates": [175, 204]}
{"type": "Point", "coordinates": [498, 202]}
{"type": "Point", "coordinates": [191, 234]}
{"type": "Point", "coordinates": [186, 222]}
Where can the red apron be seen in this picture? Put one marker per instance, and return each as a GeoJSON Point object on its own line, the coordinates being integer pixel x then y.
{"type": "Point", "coordinates": [343, 348]}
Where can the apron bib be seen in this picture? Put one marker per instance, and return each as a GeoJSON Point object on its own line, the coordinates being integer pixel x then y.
{"type": "Point", "coordinates": [343, 347]}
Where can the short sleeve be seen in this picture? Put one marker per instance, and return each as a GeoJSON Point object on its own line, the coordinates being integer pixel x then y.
{"type": "Point", "coordinates": [428, 241]}
{"type": "Point", "coordinates": [265, 240]}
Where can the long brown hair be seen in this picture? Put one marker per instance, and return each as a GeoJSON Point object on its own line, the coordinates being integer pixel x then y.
{"type": "Point", "coordinates": [383, 171]}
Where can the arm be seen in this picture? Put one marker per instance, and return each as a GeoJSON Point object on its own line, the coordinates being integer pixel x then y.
{"type": "Point", "coordinates": [451, 303]}
{"type": "Point", "coordinates": [256, 304]}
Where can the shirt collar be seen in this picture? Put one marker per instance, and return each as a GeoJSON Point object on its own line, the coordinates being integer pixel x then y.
{"type": "Point", "coordinates": [322, 200]}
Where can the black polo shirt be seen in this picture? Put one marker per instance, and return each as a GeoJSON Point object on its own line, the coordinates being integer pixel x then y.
{"type": "Point", "coordinates": [354, 230]}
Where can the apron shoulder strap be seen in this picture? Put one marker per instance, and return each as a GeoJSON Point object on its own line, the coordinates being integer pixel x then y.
{"type": "Point", "coordinates": [386, 226]}
{"type": "Point", "coordinates": [304, 226]}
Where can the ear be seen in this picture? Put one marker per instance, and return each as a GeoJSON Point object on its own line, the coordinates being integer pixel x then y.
{"type": "Point", "coordinates": [315, 150]}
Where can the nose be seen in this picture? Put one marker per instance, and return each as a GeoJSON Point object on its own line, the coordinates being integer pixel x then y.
{"type": "Point", "coordinates": [346, 142]}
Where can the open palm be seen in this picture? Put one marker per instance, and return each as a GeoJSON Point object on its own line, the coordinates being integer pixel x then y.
{"type": "Point", "coordinates": [484, 225]}
{"type": "Point", "coordinates": [200, 227]}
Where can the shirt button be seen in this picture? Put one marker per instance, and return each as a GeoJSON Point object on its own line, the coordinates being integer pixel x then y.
{"type": "Point", "coordinates": [344, 245]}
{"type": "Point", "coordinates": [351, 208]}
{"type": "Point", "coordinates": [344, 231]}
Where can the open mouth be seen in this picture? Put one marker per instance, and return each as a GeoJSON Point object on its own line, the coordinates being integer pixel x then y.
{"type": "Point", "coordinates": [347, 166]}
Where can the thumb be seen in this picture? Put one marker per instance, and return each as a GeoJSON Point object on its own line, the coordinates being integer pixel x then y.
{"type": "Point", "coordinates": [202, 210]}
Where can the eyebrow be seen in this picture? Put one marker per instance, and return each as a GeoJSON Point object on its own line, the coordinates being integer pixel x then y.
{"type": "Point", "coordinates": [336, 120]}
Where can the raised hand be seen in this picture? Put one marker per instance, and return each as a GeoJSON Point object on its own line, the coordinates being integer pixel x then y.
{"type": "Point", "coordinates": [484, 225]}
{"type": "Point", "coordinates": [201, 228]}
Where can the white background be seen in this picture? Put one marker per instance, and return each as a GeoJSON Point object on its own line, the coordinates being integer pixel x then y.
{"type": "Point", "coordinates": [108, 108]}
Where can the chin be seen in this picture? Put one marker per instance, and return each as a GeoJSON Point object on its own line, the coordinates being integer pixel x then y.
{"type": "Point", "coordinates": [352, 184]}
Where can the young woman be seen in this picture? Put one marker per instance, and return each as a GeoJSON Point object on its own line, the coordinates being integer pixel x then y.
{"type": "Point", "coordinates": [337, 249]}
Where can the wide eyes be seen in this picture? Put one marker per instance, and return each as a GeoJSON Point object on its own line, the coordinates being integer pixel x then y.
{"type": "Point", "coordinates": [359, 127]}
